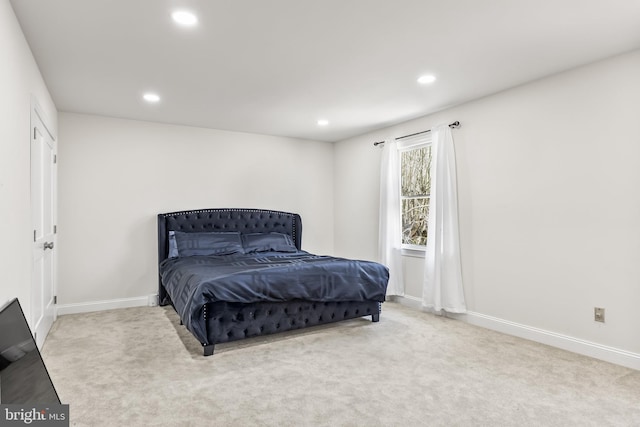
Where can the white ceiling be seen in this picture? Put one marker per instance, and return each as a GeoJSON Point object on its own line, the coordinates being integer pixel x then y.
{"type": "Point", "coordinates": [277, 66]}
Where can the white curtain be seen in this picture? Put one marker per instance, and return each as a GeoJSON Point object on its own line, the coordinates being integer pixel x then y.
{"type": "Point", "coordinates": [390, 229]}
{"type": "Point", "coordinates": [443, 289]}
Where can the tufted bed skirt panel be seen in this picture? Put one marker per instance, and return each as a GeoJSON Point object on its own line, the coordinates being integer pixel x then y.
{"type": "Point", "coordinates": [234, 321]}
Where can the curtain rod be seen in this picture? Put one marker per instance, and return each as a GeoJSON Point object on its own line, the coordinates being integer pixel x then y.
{"type": "Point", "coordinates": [453, 125]}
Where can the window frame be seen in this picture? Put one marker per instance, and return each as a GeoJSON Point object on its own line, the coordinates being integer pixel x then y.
{"type": "Point", "coordinates": [409, 144]}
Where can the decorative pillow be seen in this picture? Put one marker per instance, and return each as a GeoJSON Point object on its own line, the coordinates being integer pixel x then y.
{"type": "Point", "coordinates": [173, 246]}
{"type": "Point", "coordinates": [266, 242]}
{"type": "Point", "coordinates": [211, 243]}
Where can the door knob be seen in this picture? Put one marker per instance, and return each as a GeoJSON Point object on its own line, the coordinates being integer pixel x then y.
{"type": "Point", "coordinates": [48, 245]}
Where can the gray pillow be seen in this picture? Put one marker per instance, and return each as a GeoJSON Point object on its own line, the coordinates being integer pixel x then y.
{"type": "Point", "coordinates": [205, 243]}
{"type": "Point", "coordinates": [268, 242]}
{"type": "Point", "coordinates": [173, 246]}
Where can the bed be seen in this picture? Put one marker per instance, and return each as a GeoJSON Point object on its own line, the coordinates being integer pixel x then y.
{"type": "Point", "coordinates": [237, 273]}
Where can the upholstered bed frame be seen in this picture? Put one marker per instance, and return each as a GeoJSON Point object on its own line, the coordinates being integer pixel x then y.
{"type": "Point", "coordinates": [227, 321]}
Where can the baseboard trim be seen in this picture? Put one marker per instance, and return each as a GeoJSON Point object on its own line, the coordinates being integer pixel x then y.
{"type": "Point", "coordinates": [87, 307]}
{"type": "Point", "coordinates": [553, 339]}
{"type": "Point", "coordinates": [408, 301]}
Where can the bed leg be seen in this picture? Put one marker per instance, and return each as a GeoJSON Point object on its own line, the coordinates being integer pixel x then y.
{"type": "Point", "coordinates": [208, 349]}
{"type": "Point", "coordinates": [375, 317]}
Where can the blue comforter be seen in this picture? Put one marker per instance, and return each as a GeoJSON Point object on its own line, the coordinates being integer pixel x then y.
{"type": "Point", "coordinates": [194, 281]}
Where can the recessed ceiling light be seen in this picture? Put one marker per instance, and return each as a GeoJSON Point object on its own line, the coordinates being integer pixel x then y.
{"type": "Point", "coordinates": [151, 97]}
{"type": "Point", "coordinates": [426, 79]}
{"type": "Point", "coordinates": [185, 18]}
{"type": "Point", "coordinates": [323, 122]}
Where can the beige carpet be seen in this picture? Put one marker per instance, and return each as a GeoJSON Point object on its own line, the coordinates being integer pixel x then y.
{"type": "Point", "coordinates": [139, 367]}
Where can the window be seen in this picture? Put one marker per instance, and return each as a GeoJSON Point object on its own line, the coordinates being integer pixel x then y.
{"type": "Point", "coordinates": [415, 189]}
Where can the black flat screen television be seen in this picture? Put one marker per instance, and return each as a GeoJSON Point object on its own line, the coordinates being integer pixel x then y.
{"type": "Point", "coordinates": [24, 379]}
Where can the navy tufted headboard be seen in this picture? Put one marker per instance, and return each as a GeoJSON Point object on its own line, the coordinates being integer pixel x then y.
{"type": "Point", "coordinates": [241, 220]}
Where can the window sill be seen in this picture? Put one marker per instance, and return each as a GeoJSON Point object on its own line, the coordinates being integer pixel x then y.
{"type": "Point", "coordinates": [413, 251]}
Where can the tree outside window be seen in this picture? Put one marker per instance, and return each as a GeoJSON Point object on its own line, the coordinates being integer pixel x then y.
{"type": "Point", "coordinates": [415, 189]}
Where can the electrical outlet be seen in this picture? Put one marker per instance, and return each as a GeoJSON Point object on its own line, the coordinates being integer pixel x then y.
{"type": "Point", "coordinates": [598, 314]}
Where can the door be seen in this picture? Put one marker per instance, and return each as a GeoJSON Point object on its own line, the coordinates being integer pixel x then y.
{"type": "Point", "coordinates": [43, 210]}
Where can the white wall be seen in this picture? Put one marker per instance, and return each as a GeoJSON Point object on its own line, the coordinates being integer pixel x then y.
{"type": "Point", "coordinates": [116, 175]}
{"type": "Point", "coordinates": [19, 80]}
{"type": "Point", "coordinates": [549, 202]}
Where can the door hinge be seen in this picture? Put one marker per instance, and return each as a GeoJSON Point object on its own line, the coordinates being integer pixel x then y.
{"type": "Point", "coordinates": [34, 235]}
{"type": "Point", "coordinates": [55, 299]}
{"type": "Point", "coordinates": [34, 133]}
{"type": "Point", "coordinates": [55, 229]}
{"type": "Point", "coordinates": [55, 158]}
